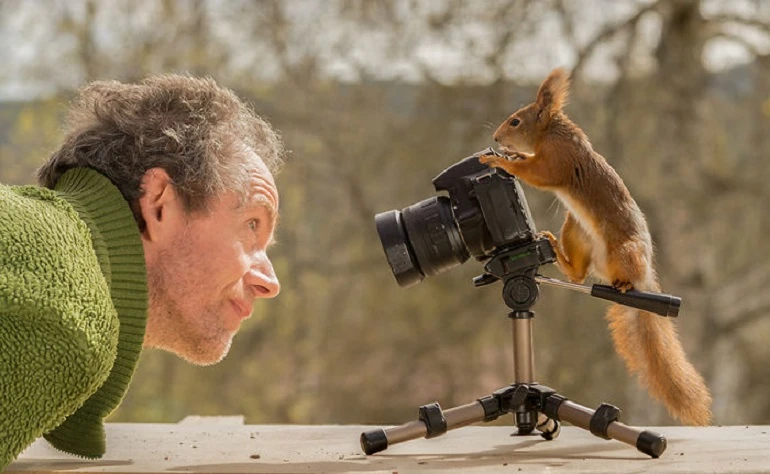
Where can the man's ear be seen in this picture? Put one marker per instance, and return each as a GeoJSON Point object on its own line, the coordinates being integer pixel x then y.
{"type": "Point", "coordinates": [158, 203]}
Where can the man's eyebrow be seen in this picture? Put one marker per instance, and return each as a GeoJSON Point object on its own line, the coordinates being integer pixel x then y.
{"type": "Point", "coordinates": [274, 218]}
{"type": "Point", "coordinates": [261, 202]}
{"type": "Point", "coordinates": [272, 213]}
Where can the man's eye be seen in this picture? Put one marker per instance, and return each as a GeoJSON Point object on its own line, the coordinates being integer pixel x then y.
{"type": "Point", "coordinates": [253, 224]}
{"type": "Point", "coordinates": [515, 122]}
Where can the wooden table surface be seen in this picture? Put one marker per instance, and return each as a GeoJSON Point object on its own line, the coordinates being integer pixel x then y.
{"type": "Point", "coordinates": [223, 446]}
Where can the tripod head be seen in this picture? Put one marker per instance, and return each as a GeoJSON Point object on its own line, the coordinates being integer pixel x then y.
{"type": "Point", "coordinates": [517, 268]}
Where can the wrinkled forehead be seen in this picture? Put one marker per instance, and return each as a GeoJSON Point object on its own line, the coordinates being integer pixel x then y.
{"type": "Point", "coordinates": [257, 183]}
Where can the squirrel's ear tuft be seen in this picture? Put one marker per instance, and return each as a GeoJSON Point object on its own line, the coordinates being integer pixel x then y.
{"type": "Point", "coordinates": [553, 93]}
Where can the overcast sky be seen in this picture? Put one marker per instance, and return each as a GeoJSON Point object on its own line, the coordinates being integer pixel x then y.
{"type": "Point", "coordinates": [32, 55]}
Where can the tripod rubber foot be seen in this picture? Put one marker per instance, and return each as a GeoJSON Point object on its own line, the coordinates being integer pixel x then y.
{"type": "Point", "coordinates": [651, 443]}
{"type": "Point", "coordinates": [374, 441]}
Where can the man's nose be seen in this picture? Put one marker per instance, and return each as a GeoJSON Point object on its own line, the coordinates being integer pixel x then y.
{"type": "Point", "coordinates": [262, 280]}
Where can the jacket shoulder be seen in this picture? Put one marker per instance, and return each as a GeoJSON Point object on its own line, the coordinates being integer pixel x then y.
{"type": "Point", "coordinates": [58, 326]}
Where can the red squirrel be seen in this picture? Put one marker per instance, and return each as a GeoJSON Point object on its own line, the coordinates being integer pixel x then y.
{"type": "Point", "coordinates": [605, 231]}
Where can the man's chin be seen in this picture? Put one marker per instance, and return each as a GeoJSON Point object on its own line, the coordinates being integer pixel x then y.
{"type": "Point", "coordinates": [208, 353]}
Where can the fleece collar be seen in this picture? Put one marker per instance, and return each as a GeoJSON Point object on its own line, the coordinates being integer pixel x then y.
{"type": "Point", "coordinates": [120, 253]}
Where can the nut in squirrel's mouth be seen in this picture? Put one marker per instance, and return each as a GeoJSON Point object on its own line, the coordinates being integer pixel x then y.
{"type": "Point", "coordinates": [511, 154]}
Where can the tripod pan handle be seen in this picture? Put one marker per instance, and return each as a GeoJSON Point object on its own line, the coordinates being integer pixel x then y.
{"type": "Point", "coordinates": [658, 303]}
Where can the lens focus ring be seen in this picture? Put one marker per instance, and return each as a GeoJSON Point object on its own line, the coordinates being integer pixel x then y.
{"type": "Point", "coordinates": [395, 242]}
{"type": "Point", "coordinates": [434, 235]}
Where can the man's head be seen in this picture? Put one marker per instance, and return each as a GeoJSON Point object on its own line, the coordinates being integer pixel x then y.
{"type": "Point", "coordinates": [194, 164]}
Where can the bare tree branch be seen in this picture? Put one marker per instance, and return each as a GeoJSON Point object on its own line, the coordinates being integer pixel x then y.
{"type": "Point", "coordinates": [566, 19]}
{"type": "Point", "coordinates": [744, 300]}
{"type": "Point", "coordinates": [496, 56]}
{"type": "Point", "coordinates": [761, 24]}
{"type": "Point", "coordinates": [609, 31]}
{"type": "Point", "coordinates": [735, 325]}
{"type": "Point", "coordinates": [618, 94]}
{"type": "Point", "coordinates": [735, 38]}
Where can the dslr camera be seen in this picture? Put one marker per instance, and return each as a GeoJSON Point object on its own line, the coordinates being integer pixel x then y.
{"type": "Point", "coordinates": [484, 215]}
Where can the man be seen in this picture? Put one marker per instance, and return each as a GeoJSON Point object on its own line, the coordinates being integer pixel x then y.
{"type": "Point", "coordinates": [150, 230]}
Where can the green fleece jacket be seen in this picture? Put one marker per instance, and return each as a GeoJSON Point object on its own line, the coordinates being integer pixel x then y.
{"type": "Point", "coordinates": [73, 309]}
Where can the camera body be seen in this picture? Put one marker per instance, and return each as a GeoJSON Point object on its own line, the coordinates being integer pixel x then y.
{"type": "Point", "coordinates": [484, 214]}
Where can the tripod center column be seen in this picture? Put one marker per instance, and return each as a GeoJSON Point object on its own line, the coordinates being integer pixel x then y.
{"type": "Point", "coordinates": [523, 350]}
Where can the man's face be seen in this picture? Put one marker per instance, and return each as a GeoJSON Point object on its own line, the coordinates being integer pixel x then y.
{"type": "Point", "coordinates": [205, 269]}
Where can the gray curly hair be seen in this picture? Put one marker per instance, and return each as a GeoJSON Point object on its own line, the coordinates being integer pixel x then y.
{"type": "Point", "coordinates": [190, 127]}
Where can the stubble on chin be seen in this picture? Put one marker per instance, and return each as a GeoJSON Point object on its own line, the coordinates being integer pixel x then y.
{"type": "Point", "coordinates": [168, 329]}
{"type": "Point", "coordinates": [203, 355]}
{"type": "Point", "coordinates": [165, 333]}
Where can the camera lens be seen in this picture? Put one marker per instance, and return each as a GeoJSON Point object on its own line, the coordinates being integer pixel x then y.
{"type": "Point", "coordinates": [422, 240]}
{"type": "Point", "coordinates": [394, 240]}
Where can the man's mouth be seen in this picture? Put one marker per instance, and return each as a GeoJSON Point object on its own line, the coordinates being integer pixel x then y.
{"type": "Point", "coordinates": [243, 309]}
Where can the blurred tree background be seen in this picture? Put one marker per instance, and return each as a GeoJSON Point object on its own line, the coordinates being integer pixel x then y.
{"type": "Point", "coordinates": [374, 98]}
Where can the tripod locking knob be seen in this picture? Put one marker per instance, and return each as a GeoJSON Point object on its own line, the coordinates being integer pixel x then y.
{"type": "Point", "coordinates": [520, 293]}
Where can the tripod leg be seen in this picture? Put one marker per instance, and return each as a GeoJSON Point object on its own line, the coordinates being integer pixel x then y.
{"type": "Point", "coordinates": [603, 423]}
{"type": "Point", "coordinates": [432, 422]}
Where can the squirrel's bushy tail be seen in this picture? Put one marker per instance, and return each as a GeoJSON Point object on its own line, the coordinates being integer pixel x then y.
{"type": "Point", "coordinates": [650, 347]}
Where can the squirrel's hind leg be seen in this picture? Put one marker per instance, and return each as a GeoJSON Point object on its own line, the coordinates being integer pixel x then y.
{"type": "Point", "coordinates": [573, 250]}
{"type": "Point", "coordinates": [628, 266]}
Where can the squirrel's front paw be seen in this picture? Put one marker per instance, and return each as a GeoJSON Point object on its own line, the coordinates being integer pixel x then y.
{"type": "Point", "coordinates": [491, 160]}
{"type": "Point", "coordinates": [622, 286]}
{"type": "Point", "coordinates": [548, 235]}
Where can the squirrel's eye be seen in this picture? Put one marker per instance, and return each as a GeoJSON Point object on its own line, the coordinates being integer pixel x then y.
{"type": "Point", "coordinates": [515, 122]}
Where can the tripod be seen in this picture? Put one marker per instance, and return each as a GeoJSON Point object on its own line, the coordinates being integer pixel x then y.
{"type": "Point", "coordinates": [534, 406]}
